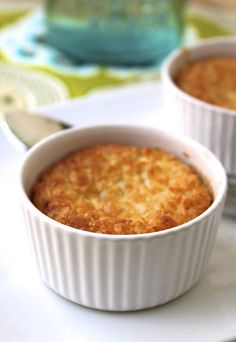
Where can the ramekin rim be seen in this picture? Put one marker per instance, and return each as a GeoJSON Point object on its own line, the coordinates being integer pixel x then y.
{"type": "Point", "coordinates": [170, 60]}
{"type": "Point", "coordinates": [170, 231]}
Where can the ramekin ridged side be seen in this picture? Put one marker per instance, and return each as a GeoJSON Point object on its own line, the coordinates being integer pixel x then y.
{"type": "Point", "coordinates": [213, 126]}
{"type": "Point", "coordinates": [121, 272]}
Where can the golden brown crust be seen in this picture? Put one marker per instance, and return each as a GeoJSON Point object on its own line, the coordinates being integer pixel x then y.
{"type": "Point", "coordinates": [118, 189]}
{"type": "Point", "coordinates": [212, 80]}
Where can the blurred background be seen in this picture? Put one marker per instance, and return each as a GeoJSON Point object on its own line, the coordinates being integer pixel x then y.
{"type": "Point", "coordinates": [58, 50]}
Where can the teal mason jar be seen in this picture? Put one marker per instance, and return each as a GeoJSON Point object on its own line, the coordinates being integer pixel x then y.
{"type": "Point", "coordinates": [115, 31]}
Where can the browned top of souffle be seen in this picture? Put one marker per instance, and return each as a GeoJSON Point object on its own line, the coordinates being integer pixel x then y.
{"type": "Point", "coordinates": [212, 80]}
{"type": "Point", "coordinates": [117, 189]}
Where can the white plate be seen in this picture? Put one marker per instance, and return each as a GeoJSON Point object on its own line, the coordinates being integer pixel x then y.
{"type": "Point", "coordinates": [31, 312]}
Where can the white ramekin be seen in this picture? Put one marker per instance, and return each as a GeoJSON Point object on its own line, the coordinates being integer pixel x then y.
{"type": "Point", "coordinates": [121, 272]}
{"type": "Point", "coordinates": [211, 125]}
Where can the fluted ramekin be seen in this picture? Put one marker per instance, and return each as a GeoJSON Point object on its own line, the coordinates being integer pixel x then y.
{"type": "Point", "coordinates": [211, 125]}
{"type": "Point", "coordinates": [121, 272]}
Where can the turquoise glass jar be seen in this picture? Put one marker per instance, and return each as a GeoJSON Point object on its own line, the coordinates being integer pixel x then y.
{"type": "Point", "coordinates": [115, 31]}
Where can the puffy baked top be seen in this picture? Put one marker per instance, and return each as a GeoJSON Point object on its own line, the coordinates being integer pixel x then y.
{"type": "Point", "coordinates": [117, 189]}
{"type": "Point", "coordinates": [212, 80]}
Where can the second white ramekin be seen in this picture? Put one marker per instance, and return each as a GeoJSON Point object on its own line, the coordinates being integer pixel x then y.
{"type": "Point", "coordinates": [121, 272]}
{"type": "Point", "coordinates": [211, 125]}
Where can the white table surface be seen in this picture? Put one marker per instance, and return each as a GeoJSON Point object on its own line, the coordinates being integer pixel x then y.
{"type": "Point", "coordinates": [29, 311]}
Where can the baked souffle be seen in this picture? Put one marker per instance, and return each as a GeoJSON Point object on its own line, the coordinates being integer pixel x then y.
{"type": "Point", "coordinates": [118, 189]}
{"type": "Point", "coordinates": [212, 80]}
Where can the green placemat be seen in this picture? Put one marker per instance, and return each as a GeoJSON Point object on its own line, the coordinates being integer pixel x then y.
{"type": "Point", "coordinates": [16, 48]}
